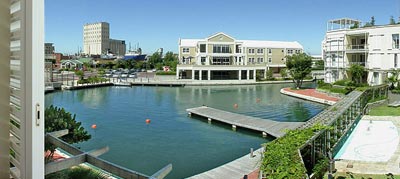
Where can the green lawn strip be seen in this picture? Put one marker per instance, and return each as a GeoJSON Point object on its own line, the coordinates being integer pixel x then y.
{"type": "Point", "coordinates": [385, 111]}
{"type": "Point", "coordinates": [341, 175]}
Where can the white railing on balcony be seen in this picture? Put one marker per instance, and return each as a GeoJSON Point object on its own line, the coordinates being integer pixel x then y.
{"type": "Point", "coordinates": [357, 47]}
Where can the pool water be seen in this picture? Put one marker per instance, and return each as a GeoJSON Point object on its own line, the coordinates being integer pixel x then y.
{"type": "Point", "coordinates": [191, 145]}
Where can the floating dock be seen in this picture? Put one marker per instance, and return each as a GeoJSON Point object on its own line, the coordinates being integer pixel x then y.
{"type": "Point", "coordinates": [265, 126]}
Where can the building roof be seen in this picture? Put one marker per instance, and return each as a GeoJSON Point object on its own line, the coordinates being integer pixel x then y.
{"type": "Point", "coordinates": [71, 61]}
{"type": "Point", "coordinates": [270, 44]}
{"type": "Point", "coordinates": [246, 43]}
{"type": "Point", "coordinates": [189, 42]}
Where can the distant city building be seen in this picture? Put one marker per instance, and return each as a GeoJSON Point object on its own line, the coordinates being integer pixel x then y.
{"type": "Point", "coordinates": [315, 59]}
{"type": "Point", "coordinates": [117, 47]}
{"type": "Point", "coordinates": [49, 51]}
{"type": "Point", "coordinates": [347, 42]}
{"type": "Point", "coordinates": [96, 40]}
{"type": "Point", "coordinates": [221, 57]}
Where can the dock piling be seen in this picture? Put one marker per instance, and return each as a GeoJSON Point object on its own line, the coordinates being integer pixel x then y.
{"type": "Point", "coordinates": [209, 120]}
{"type": "Point", "coordinates": [233, 127]}
{"type": "Point", "coordinates": [264, 134]}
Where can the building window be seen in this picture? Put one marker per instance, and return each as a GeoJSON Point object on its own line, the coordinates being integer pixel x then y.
{"type": "Point", "coordinates": [251, 60]}
{"type": "Point", "coordinates": [251, 50]}
{"type": "Point", "coordinates": [221, 49]}
{"type": "Point", "coordinates": [260, 50]}
{"type": "Point", "coordinates": [202, 48]}
{"type": "Point", "coordinates": [185, 50]}
{"type": "Point", "coordinates": [270, 51]}
{"type": "Point", "coordinates": [395, 60]}
{"type": "Point", "coordinates": [260, 60]}
{"type": "Point", "coordinates": [297, 51]}
{"type": "Point", "coordinates": [290, 51]}
{"type": "Point", "coordinates": [270, 60]}
{"type": "Point", "coordinates": [203, 59]}
{"type": "Point", "coordinates": [395, 41]}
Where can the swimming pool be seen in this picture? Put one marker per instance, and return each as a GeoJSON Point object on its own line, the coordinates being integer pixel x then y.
{"type": "Point", "coordinates": [371, 141]}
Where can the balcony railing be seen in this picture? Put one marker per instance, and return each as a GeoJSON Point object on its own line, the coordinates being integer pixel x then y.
{"type": "Point", "coordinates": [358, 47]}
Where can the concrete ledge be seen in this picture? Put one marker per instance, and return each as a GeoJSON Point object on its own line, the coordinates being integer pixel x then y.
{"type": "Point", "coordinates": [309, 98]}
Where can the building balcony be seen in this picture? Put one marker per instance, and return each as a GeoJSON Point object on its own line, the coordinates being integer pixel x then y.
{"type": "Point", "coordinates": [360, 48]}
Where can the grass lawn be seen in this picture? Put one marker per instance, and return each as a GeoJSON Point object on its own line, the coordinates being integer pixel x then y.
{"type": "Point", "coordinates": [362, 176]}
{"type": "Point", "coordinates": [385, 111]}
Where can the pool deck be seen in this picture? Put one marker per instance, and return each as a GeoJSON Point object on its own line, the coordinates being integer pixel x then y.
{"type": "Point", "coordinates": [265, 126]}
{"type": "Point", "coordinates": [391, 166]}
{"type": "Point", "coordinates": [311, 95]}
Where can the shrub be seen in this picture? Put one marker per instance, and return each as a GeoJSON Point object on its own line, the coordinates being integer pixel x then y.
{"type": "Point", "coordinates": [342, 82]}
{"type": "Point", "coordinates": [281, 159]}
{"type": "Point", "coordinates": [166, 73]}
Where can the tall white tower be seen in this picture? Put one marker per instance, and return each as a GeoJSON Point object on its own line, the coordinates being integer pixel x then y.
{"type": "Point", "coordinates": [96, 38]}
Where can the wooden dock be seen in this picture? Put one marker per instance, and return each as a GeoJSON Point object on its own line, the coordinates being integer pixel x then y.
{"type": "Point", "coordinates": [265, 126]}
{"type": "Point", "coordinates": [235, 169]}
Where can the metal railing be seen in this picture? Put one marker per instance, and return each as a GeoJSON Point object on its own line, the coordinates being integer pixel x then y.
{"type": "Point", "coordinates": [91, 157]}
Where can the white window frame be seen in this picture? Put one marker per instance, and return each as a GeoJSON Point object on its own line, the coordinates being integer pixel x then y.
{"type": "Point", "coordinates": [185, 50]}
{"type": "Point", "coordinates": [251, 50]}
{"type": "Point", "coordinates": [269, 60]}
{"type": "Point", "coordinates": [260, 51]}
{"type": "Point", "coordinates": [269, 51]}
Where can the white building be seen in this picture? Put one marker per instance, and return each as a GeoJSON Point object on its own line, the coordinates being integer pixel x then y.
{"type": "Point", "coordinates": [96, 40]}
{"type": "Point", "coordinates": [221, 57]}
{"type": "Point", "coordinates": [376, 48]}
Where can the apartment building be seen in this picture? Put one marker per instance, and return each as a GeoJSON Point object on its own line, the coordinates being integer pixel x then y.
{"type": "Point", "coordinates": [49, 51]}
{"type": "Point", "coordinates": [347, 42]}
{"type": "Point", "coordinates": [96, 40]}
{"type": "Point", "coordinates": [222, 57]}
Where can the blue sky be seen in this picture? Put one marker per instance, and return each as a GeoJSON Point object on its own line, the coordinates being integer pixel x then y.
{"type": "Point", "coordinates": [160, 23]}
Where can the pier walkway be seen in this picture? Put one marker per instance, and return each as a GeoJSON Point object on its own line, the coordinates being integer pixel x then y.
{"type": "Point", "coordinates": [235, 169]}
{"type": "Point", "coordinates": [266, 126]}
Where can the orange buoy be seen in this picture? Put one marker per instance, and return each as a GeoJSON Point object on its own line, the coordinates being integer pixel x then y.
{"type": "Point", "coordinates": [94, 126]}
{"type": "Point", "coordinates": [258, 100]}
{"type": "Point", "coordinates": [235, 105]}
{"type": "Point", "coordinates": [148, 121]}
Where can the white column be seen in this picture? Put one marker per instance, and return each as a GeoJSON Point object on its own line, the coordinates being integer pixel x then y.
{"type": "Point", "coordinates": [254, 74]}
{"type": "Point", "coordinates": [177, 73]}
{"type": "Point", "coordinates": [240, 74]}
{"type": "Point", "coordinates": [248, 74]}
{"type": "Point", "coordinates": [209, 74]}
{"type": "Point", "coordinates": [5, 88]}
{"type": "Point", "coordinates": [200, 74]}
{"type": "Point", "coordinates": [193, 74]}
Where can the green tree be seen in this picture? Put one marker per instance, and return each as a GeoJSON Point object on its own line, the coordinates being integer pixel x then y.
{"type": "Point", "coordinates": [270, 74]}
{"type": "Point", "coordinates": [58, 119]}
{"type": "Point", "coordinates": [356, 71]}
{"type": "Point", "coordinates": [139, 64]}
{"type": "Point", "coordinates": [154, 59]}
{"type": "Point", "coordinates": [171, 60]}
{"type": "Point", "coordinates": [299, 66]}
{"type": "Point", "coordinates": [319, 65]}
{"type": "Point", "coordinates": [371, 22]}
{"type": "Point", "coordinates": [284, 73]}
{"type": "Point", "coordinates": [355, 25]}
{"type": "Point", "coordinates": [391, 21]}
{"type": "Point", "coordinates": [80, 73]}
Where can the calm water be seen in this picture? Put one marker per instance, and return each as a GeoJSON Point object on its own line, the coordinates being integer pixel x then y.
{"type": "Point", "coordinates": [191, 145]}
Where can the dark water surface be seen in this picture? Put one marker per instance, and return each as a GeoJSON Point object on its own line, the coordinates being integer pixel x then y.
{"type": "Point", "coordinates": [191, 145]}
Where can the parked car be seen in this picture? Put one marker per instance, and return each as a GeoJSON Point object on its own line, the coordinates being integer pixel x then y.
{"type": "Point", "coordinates": [143, 70]}
{"type": "Point", "coordinates": [108, 74]}
{"type": "Point", "coordinates": [124, 75]}
{"type": "Point", "coordinates": [132, 75]}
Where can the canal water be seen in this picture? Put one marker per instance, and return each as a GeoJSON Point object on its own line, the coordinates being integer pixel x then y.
{"type": "Point", "coordinates": [191, 145]}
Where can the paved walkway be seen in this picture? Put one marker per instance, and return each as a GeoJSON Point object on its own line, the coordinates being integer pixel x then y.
{"type": "Point", "coordinates": [311, 95]}
{"type": "Point", "coordinates": [391, 166]}
{"type": "Point", "coordinates": [235, 169]}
